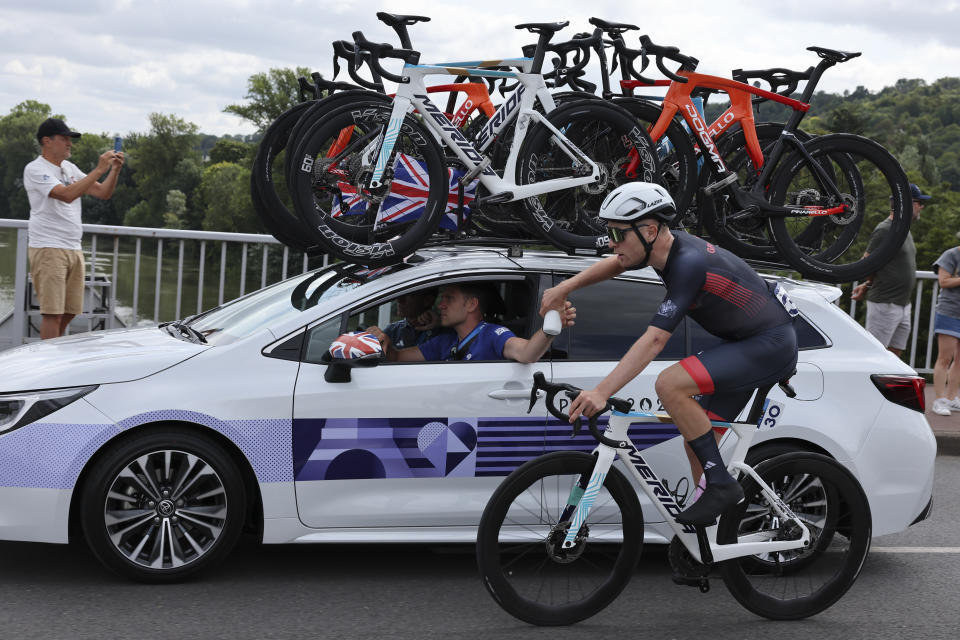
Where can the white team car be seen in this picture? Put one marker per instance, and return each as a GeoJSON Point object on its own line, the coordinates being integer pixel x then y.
{"type": "Point", "coordinates": [161, 445]}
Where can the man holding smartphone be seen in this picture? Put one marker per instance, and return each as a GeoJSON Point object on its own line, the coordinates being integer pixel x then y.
{"type": "Point", "coordinates": [54, 186]}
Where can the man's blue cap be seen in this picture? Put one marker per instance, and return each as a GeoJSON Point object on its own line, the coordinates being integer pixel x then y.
{"type": "Point", "coordinates": [917, 194]}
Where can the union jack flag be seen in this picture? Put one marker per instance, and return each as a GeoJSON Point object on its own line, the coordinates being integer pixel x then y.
{"type": "Point", "coordinates": [408, 195]}
{"type": "Point", "coordinates": [356, 344]}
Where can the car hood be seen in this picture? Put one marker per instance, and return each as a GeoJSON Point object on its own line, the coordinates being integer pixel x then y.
{"type": "Point", "coordinates": [99, 357]}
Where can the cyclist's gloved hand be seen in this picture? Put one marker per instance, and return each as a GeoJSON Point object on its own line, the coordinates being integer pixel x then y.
{"type": "Point", "coordinates": [588, 403]}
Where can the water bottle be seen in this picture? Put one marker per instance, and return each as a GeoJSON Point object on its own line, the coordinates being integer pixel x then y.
{"type": "Point", "coordinates": [117, 143]}
{"type": "Point", "coordinates": [551, 323]}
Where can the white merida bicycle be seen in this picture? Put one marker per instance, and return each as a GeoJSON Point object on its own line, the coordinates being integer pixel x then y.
{"type": "Point", "coordinates": [373, 179]}
{"type": "Point", "coordinates": [561, 536]}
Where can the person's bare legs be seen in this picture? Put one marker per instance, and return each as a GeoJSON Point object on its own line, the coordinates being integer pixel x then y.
{"type": "Point", "coordinates": [50, 326]}
{"type": "Point", "coordinates": [65, 322]}
{"type": "Point", "coordinates": [953, 373]}
{"type": "Point", "coordinates": [946, 350]}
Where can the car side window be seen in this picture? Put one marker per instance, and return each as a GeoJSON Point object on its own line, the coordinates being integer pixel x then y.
{"type": "Point", "coordinates": [319, 339]}
{"type": "Point", "coordinates": [611, 316]}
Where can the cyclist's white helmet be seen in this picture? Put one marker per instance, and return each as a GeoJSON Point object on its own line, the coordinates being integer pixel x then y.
{"type": "Point", "coordinates": [635, 200]}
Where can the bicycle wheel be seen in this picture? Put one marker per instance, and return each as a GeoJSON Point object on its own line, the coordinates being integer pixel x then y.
{"type": "Point", "coordinates": [269, 204]}
{"type": "Point", "coordinates": [519, 541]}
{"type": "Point", "coordinates": [678, 159]}
{"type": "Point", "coordinates": [612, 139]}
{"type": "Point", "coordinates": [330, 191]}
{"type": "Point", "coordinates": [796, 584]}
{"type": "Point", "coordinates": [845, 170]}
{"type": "Point", "coordinates": [746, 236]}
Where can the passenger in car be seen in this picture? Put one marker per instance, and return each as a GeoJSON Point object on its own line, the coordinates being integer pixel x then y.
{"type": "Point", "coordinates": [725, 296]}
{"type": "Point", "coordinates": [419, 322]}
{"type": "Point", "coordinates": [469, 337]}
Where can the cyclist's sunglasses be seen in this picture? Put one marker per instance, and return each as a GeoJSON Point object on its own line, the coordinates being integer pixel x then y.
{"type": "Point", "coordinates": [618, 235]}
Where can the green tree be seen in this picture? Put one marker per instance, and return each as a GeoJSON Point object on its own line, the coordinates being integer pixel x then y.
{"type": "Point", "coordinates": [18, 146]}
{"type": "Point", "coordinates": [269, 95]}
{"type": "Point", "coordinates": [225, 192]}
{"type": "Point", "coordinates": [176, 208]}
{"type": "Point", "coordinates": [164, 159]}
{"type": "Point", "coordinates": [235, 151]}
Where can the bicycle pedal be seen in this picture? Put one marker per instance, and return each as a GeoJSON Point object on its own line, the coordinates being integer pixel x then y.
{"type": "Point", "coordinates": [712, 188]}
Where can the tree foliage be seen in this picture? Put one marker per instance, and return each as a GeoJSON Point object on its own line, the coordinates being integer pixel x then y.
{"type": "Point", "coordinates": [269, 94]}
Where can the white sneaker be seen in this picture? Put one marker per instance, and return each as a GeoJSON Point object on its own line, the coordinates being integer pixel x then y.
{"type": "Point", "coordinates": [954, 405]}
{"type": "Point", "coordinates": [941, 407]}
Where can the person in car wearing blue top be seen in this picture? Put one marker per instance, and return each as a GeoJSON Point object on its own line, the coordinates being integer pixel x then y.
{"type": "Point", "coordinates": [419, 322]}
{"type": "Point", "coordinates": [718, 290]}
{"type": "Point", "coordinates": [469, 337]}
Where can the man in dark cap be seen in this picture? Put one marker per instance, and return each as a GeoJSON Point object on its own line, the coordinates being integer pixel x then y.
{"type": "Point", "coordinates": [888, 290]}
{"type": "Point", "coordinates": [54, 186]}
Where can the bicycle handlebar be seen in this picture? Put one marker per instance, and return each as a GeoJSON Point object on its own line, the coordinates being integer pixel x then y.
{"type": "Point", "coordinates": [380, 50]}
{"type": "Point", "coordinates": [781, 81]}
{"type": "Point", "coordinates": [687, 63]}
{"type": "Point", "coordinates": [552, 389]}
{"type": "Point", "coordinates": [354, 58]}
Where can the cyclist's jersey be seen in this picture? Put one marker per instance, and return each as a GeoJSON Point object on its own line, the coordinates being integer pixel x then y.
{"type": "Point", "coordinates": [717, 289]}
{"type": "Point", "coordinates": [485, 344]}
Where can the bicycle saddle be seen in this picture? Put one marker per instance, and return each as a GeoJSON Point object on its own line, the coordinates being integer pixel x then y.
{"type": "Point", "coordinates": [543, 27]}
{"type": "Point", "coordinates": [396, 19]}
{"type": "Point", "coordinates": [836, 56]}
{"type": "Point", "coordinates": [613, 26]}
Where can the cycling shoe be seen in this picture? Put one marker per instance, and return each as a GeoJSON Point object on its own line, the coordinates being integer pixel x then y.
{"type": "Point", "coordinates": [716, 499]}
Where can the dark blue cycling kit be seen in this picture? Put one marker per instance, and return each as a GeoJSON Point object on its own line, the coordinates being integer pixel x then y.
{"type": "Point", "coordinates": [485, 342]}
{"type": "Point", "coordinates": [727, 298]}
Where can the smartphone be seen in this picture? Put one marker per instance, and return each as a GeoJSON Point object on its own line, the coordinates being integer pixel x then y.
{"type": "Point", "coordinates": [117, 144]}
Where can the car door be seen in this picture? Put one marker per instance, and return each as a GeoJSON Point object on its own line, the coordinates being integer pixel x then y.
{"type": "Point", "coordinates": [611, 316]}
{"type": "Point", "coordinates": [408, 444]}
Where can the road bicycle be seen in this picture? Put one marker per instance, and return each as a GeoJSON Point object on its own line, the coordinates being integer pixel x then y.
{"type": "Point", "coordinates": [819, 198]}
{"type": "Point", "coordinates": [561, 535]}
{"type": "Point", "coordinates": [381, 191]}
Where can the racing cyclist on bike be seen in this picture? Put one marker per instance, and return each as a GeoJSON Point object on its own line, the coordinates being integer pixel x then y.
{"type": "Point", "coordinates": [718, 290]}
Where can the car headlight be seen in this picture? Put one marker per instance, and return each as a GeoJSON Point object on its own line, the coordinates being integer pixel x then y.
{"type": "Point", "coordinates": [19, 409]}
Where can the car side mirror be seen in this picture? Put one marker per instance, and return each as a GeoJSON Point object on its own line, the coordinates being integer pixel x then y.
{"type": "Point", "coordinates": [338, 369]}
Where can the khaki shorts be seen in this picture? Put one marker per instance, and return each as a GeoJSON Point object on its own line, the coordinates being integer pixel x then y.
{"type": "Point", "coordinates": [889, 323]}
{"type": "Point", "coordinates": [58, 279]}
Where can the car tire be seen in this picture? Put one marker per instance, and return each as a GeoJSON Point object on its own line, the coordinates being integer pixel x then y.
{"type": "Point", "coordinates": [162, 506]}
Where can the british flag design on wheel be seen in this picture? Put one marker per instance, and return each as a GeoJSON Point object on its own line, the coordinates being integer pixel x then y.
{"type": "Point", "coordinates": [408, 195]}
{"type": "Point", "coordinates": [354, 345]}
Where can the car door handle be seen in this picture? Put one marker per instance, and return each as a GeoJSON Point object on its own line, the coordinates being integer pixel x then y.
{"type": "Point", "coordinates": [513, 394]}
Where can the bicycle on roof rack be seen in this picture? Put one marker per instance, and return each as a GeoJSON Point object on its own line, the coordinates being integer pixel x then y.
{"type": "Point", "coordinates": [373, 180]}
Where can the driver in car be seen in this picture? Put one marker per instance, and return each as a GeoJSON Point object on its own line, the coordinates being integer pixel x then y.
{"type": "Point", "coordinates": [469, 337]}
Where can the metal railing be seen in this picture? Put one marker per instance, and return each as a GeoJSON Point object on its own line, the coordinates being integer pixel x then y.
{"type": "Point", "coordinates": [96, 236]}
{"type": "Point", "coordinates": [922, 325]}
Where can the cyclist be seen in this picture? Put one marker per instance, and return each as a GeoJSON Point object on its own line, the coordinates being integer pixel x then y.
{"type": "Point", "coordinates": [723, 294]}
{"type": "Point", "coordinates": [461, 308]}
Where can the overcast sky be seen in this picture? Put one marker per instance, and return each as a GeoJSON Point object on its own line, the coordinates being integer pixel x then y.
{"type": "Point", "coordinates": [107, 64]}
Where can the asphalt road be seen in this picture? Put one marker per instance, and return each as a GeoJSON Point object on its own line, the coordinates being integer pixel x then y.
{"type": "Point", "coordinates": [907, 589]}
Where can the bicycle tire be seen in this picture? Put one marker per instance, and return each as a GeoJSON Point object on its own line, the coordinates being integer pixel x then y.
{"type": "Point", "coordinates": [678, 159]}
{"type": "Point", "coordinates": [797, 584]}
{"type": "Point", "coordinates": [750, 237]}
{"type": "Point", "coordinates": [273, 212]}
{"type": "Point", "coordinates": [332, 197]}
{"type": "Point", "coordinates": [610, 137]}
{"type": "Point", "coordinates": [525, 509]}
{"type": "Point", "coordinates": [872, 184]}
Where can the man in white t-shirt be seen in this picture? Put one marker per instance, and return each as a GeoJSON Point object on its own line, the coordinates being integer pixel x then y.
{"type": "Point", "coordinates": [54, 186]}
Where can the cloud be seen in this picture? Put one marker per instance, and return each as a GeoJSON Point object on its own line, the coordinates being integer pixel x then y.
{"type": "Point", "coordinates": [115, 62]}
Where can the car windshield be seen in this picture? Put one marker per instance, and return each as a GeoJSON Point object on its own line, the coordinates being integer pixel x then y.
{"type": "Point", "coordinates": [251, 313]}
